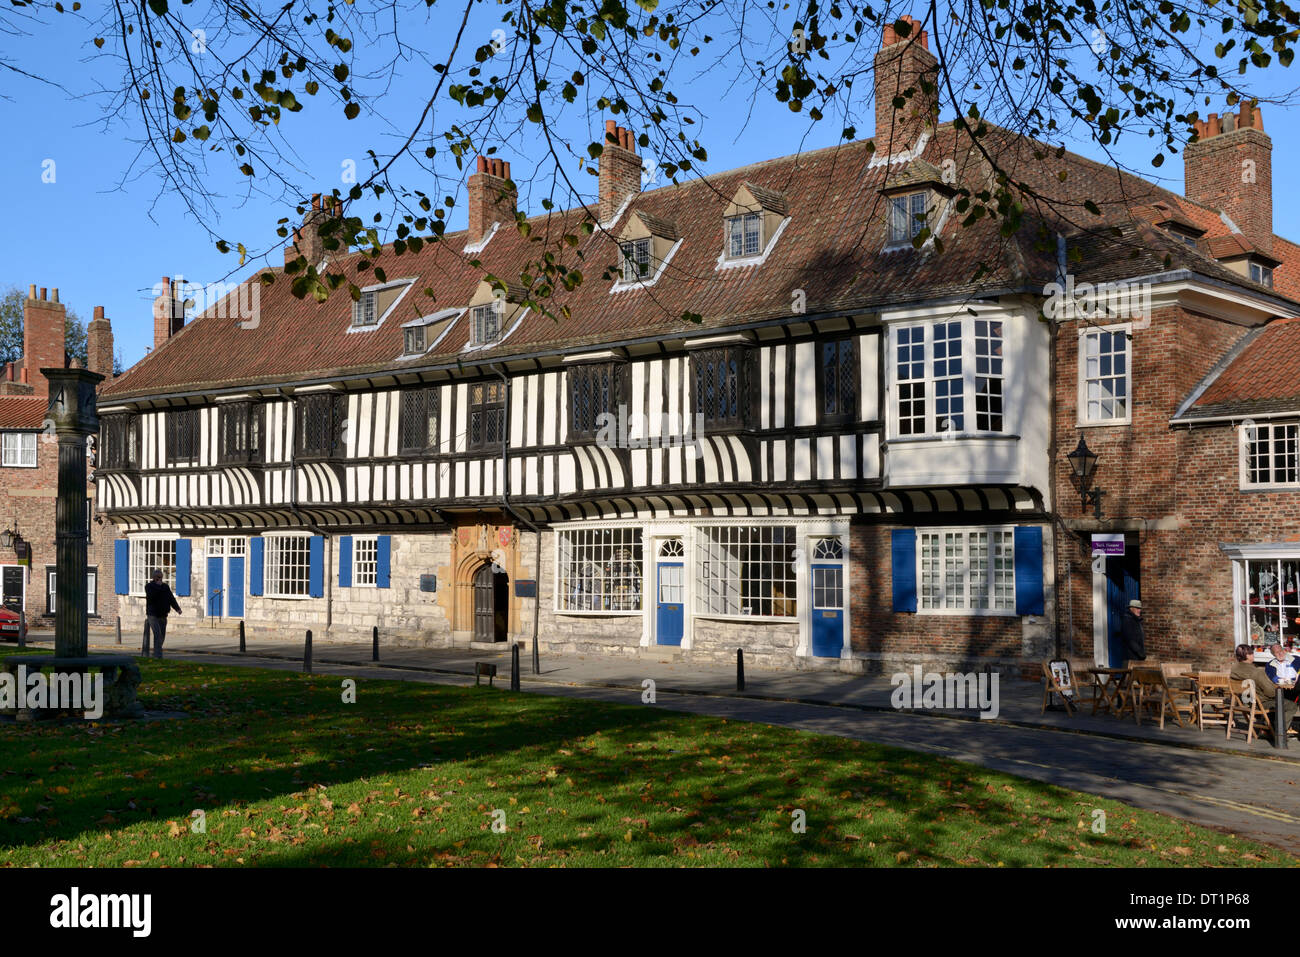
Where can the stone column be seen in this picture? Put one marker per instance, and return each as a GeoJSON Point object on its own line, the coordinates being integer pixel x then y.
{"type": "Point", "coordinates": [72, 411]}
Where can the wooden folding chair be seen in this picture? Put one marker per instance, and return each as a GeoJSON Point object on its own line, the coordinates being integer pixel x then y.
{"type": "Point", "coordinates": [1255, 713]}
{"type": "Point", "coordinates": [1146, 693]}
{"type": "Point", "coordinates": [1213, 698]}
{"type": "Point", "coordinates": [1061, 687]}
{"type": "Point", "coordinates": [1179, 693]}
{"type": "Point", "coordinates": [1085, 689]}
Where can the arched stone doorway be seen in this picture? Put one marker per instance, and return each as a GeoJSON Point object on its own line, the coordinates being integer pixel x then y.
{"type": "Point", "coordinates": [491, 603]}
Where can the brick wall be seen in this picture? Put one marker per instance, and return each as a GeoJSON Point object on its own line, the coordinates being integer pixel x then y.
{"type": "Point", "coordinates": [1174, 493]}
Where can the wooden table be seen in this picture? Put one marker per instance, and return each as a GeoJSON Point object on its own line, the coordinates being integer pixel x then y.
{"type": "Point", "coordinates": [1110, 694]}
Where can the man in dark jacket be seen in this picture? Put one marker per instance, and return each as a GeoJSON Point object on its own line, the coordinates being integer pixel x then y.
{"type": "Point", "coordinates": [1130, 631]}
{"type": "Point", "coordinates": [158, 602]}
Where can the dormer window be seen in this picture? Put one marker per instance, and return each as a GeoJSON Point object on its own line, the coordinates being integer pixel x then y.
{"type": "Point", "coordinates": [485, 325]}
{"type": "Point", "coordinates": [752, 223]}
{"type": "Point", "coordinates": [414, 341]}
{"type": "Point", "coordinates": [907, 214]}
{"type": "Point", "coordinates": [744, 235]}
{"type": "Point", "coordinates": [1261, 274]}
{"type": "Point", "coordinates": [364, 312]}
{"type": "Point", "coordinates": [638, 262]}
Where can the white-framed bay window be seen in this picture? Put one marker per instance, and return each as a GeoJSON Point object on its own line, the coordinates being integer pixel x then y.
{"type": "Point", "coordinates": [947, 377]}
{"type": "Point", "coordinates": [966, 571]}
{"type": "Point", "coordinates": [288, 566]}
{"type": "Point", "coordinates": [148, 554]}
{"type": "Point", "coordinates": [1106, 375]}
{"type": "Point", "coordinates": [1270, 454]}
{"type": "Point", "coordinates": [746, 571]}
{"type": "Point", "coordinates": [599, 569]}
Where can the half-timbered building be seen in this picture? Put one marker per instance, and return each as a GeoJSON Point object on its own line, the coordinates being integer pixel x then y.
{"type": "Point", "coordinates": [778, 417]}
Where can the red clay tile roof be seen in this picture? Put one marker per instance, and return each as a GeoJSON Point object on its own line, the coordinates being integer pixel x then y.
{"type": "Point", "coordinates": [830, 248]}
{"type": "Point", "coordinates": [1261, 375]}
{"type": "Point", "coordinates": [22, 412]}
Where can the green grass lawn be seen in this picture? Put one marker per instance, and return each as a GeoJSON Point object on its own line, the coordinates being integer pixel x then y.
{"type": "Point", "coordinates": [410, 775]}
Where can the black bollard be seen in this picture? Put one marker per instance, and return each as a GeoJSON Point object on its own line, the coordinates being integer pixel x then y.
{"type": "Point", "coordinates": [374, 643]}
{"type": "Point", "coordinates": [740, 669]}
{"type": "Point", "coordinates": [514, 667]}
{"type": "Point", "coordinates": [306, 655]}
{"type": "Point", "coordinates": [119, 629]}
{"type": "Point", "coordinates": [22, 630]}
{"type": "Point", "coordinates": [242, 647]}
{"type": "Point", "coordinates": [144, 640]}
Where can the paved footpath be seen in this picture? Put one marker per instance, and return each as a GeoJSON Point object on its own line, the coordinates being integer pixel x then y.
{"type": "Point", "coordinates": [1252, 790]}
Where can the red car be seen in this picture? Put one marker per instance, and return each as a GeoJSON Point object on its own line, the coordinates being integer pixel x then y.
{"type": "Point", "coordinates": [8, 623]}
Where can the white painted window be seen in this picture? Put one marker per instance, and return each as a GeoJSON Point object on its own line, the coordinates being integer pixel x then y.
{"type": "Point", "coordinates": [599, 569]}
{"type": "Point", "coordinates": [148, 554]}
{"type": "Point", "coordinates": [941, 371]}
{"type": "Point", "coordinates": [364, 312]}
{"type": "Point", "coordinates": [906, 217]}
{"type": "Point", "coordinates": [52, 584]}
{"type": "Point", "coordinates": [485, 325]}
{"type": "Point", "coordinates": [365, 560]}
{"type": "Point", "coordinates": [1262, 274]}
{"type": "Point", "coordinates": [288, 566]}
{"type": "Point", "coordinates": [744, 235]}
{"type": "Point", "coordinates": [746, 570]}
{"type": "Point", "coordinates": [1271, 605]}
{"type": "Point", "coordinates": [1104, 376]}
{"type": "Point", "coordinates": [964, 570]}
{"type": "Point", "coordinates": [19, 450]}
{"type": "Point", "coordinates": [1270, 454]}
{"type": "Point", "coordinates": [637, 263]}
{"type": "Point", "coordinates": [414, 343]}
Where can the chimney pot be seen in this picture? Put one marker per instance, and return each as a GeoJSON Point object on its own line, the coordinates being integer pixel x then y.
{"type": "Point", "coordinates": [42, 293]}
{"type": "Point", "coordinates": [99, 312]}
{"type": "Point", "coordinates": [55, 297]}
{"type": "Point", "coordinates": [315, 200]}
{"type": "Point", "coordinates": [1229, 122]}
{"type": "Point", "coordinates": [31, 294]}
{"type": "Point", "coordinates": [611, 129]}
{"type": "Point", "coordinates": [507, 169]}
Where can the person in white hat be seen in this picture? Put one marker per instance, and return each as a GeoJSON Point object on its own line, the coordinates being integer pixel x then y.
{"type": "Point", "coordinates": [1130, 631]}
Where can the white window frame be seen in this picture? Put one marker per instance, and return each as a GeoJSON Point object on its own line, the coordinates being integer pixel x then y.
{"type": "Point", "coordinates": [572, 553]}
{"type": "Point", "coordinates": [92, 588]}
{"type": "Point", "coordinates": [19, 454]}
{"type": "Point", "coordinates": [964, 570]}
{"type": "Point", "coordinates": [410, 332]}
{"type": "Point", "coordinates": [1085, 333]}
{"type": "Point", "coordinates": [913, 225]}
{"type": "Point", "coordinates": [1244, 444]}
{"type": "Point", "coordinates": [365, 571]}
{"type": "Point", "coordinates": [969, 378]}
{"type": "Point", "coordinates": [275, 552]}
{"type": "Point", "coordinates": [705, 566]}
{"type": "Point", "coordinates": [476, 337]}
{"type": "Point", "coordinates": [358, 307]}
{"type": "Point", "coordinates": [142, 564]}
{"type": "Point", "coordinates": [1261, 274]}
{"type": "Point", "coordinates": [633, 259]}
{"type": "Point", "coordinates": [744, 220]}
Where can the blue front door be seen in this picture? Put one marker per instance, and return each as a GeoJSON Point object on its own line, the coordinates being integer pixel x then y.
{"type": "Point", "coordinates": [1122, 586]}
{"type": "Point", "coordinates": [216, 575]}
{"type": "Point", "coordinates": [235, 588]}
{"type": "Point", "coordinates": [670, 604]}
{"type": "Point", "coordinates": [827, 610]}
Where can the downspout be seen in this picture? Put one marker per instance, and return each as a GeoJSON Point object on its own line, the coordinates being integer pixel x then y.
{"type": "Point", "coordinates": [297, 514]}
{"type": "Point", "coordinates": [510, 509]}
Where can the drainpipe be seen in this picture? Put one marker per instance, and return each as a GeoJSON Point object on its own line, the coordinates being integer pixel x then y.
{"type": "Point", "coordinates": [505, 503]}
{"type": "Point", "coordinates": [297, 514]}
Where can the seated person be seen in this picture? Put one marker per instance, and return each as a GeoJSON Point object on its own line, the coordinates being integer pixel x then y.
{"type": "Point", "coordinates": [1245, 668]}
{"type": "Point", "coordinates": [1282, 670]}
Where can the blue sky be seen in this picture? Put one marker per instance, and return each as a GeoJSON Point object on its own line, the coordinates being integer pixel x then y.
{"type": "Point", "coordinates": [104, 237]}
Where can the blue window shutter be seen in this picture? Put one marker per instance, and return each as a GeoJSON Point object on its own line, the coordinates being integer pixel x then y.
{"type": "Point", "coordinates": [316, 567]}
{"type": "Point", "coordinates": [1029, 571]}
{"type": "Point", "coordinates": [345, 561]}
{"type": "Point", "coordinates": [383, 549]}
{"type": "Point", "coordinates": [256, 553]}
{"type": "Point", "coordinates": [903, 549]}
{"type": "Point", "coordinates": [183, 567]}
{"type": "Point", "coordinates": [122, 566]}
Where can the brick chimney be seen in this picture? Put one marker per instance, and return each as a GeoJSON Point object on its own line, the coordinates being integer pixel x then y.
{"type": "Point", "coordinates": [44, 338]}
{"type": "Point", "coordinates": [492, 197]}
{"type": "Point", "coordinates": [902, 66]}
{"type": "Point", "coordinates": [168, 313]}
{"type": "Point", "coordinates": [99, 344]}
{"type": "Point", "coordinates": [307, 239]}
{"type": "Point", "coordinates": [620, 170]}
{"type": "Point", "coordinates": [1230, 168]}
